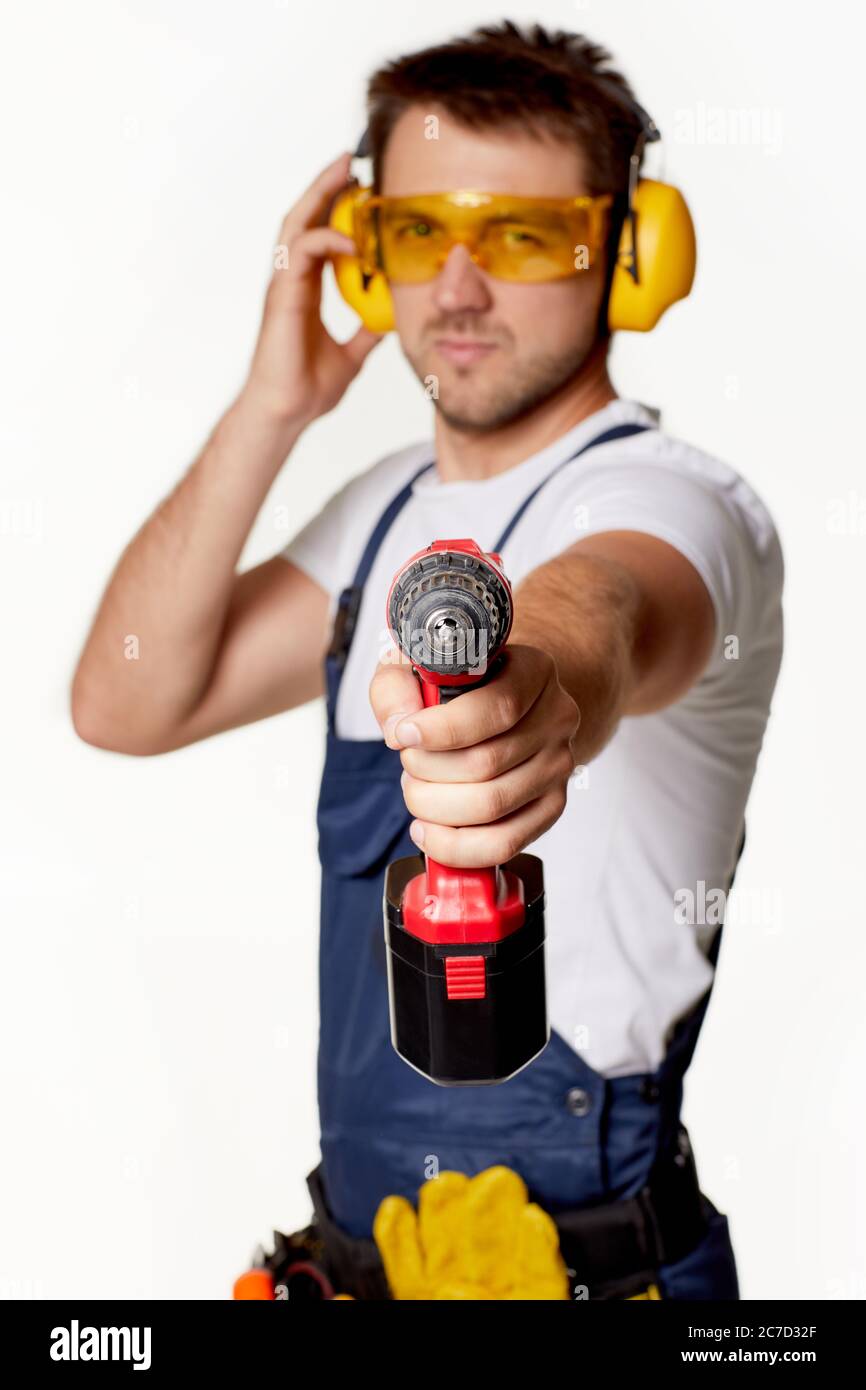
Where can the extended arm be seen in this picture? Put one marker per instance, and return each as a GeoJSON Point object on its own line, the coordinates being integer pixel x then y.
{"type": "Point", "coordinates": [628, 621]}
{"type": "Point", "coordinates": [619, 624]}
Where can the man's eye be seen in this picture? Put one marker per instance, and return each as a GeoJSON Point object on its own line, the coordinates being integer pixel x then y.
{"type": "Point", "coordinates": [415, 230]}
{"type": "Point", "coordinates": [519, 236]}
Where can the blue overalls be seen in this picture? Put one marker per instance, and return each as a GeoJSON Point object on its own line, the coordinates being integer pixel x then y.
{"type": "Point", "coordinates": [576, 1138]}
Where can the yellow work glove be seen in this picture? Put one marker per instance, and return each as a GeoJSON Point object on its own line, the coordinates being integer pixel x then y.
{"type": "Point", "coordinates": [472, 1238]}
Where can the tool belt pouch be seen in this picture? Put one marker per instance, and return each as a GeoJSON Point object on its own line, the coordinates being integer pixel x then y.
{"type": "Point", "coordinates": [612, 1251]}
{"type": "Point", "coordinates": [353, 1266]}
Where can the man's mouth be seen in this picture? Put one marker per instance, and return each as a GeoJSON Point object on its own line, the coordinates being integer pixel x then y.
{"type": "Point", "coordinates": [463, 351]}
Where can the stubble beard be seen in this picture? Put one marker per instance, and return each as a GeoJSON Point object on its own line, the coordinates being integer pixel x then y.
{"type": "Point", "coordinates": [473, 406]}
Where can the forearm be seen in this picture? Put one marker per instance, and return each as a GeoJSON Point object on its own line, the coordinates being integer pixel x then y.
{"type": "Point", "coordinates": [585, 611]}
{"type": "Point", "coordinates": [620, 624]}
{"type": "Point", "coordinates": [156, 636]}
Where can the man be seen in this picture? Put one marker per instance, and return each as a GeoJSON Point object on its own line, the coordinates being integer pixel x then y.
{"type": "Point", "coordinates": [619, 739]}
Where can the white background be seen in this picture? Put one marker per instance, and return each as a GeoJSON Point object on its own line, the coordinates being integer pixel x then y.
{"type": "Point", "coordinates": [160, 916]}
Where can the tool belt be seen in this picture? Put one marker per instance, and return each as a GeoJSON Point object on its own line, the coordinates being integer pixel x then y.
{"type": "Point", "coordinates": [612, 1251]}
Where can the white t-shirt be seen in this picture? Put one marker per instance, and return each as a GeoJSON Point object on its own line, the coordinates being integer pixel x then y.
{"type": "Point", "coordinates": [660, 811]}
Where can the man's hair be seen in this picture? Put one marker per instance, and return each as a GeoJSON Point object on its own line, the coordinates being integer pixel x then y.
{"type": "Point", "coordinates": [557, 84]}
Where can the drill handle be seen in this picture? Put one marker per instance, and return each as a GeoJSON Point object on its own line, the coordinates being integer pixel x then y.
{"type": "Point", "coordinates": [477, 891]}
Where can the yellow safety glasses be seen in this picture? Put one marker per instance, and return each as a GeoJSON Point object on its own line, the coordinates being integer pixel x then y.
{"type": "Point", "coordinates": [512, 238]}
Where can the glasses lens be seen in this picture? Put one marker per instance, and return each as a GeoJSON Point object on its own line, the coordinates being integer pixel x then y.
{"type": "Point", "coordinates": [518, 244]}
{"type": "Point", "coordinates": [512, 239]}
{"type": "Point", "coordinates": [413, 242]}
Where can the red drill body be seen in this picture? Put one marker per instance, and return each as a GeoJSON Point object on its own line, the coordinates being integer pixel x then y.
{"type": "Point", "coordinates": [465, 946]}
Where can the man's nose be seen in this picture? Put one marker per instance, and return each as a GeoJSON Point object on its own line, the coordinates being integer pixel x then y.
{"type": "Point", "coordinates": [460, 284]}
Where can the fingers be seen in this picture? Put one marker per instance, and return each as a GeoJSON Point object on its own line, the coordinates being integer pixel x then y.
{"type": "Point", "coordinates": [480, 803]}
{"type": "Point", "coordinates": [476, 847]}
{"type": "Point", "coordinates": [484, 711]}
{"type": "Point", "coordinates": [394, 693]}
{"type": "Point", "coordinates": [309, 249]}
{"type": "Point", "coordinates": [486, 774]}
{"type": "Point", "coordinates": [304, 238]}
{"type": "Point", "coordinates": [296, 281]}
{"type": "Point", "coordinates": [546, 718]}
{"type": "Point", "coordinates": [314, 204]}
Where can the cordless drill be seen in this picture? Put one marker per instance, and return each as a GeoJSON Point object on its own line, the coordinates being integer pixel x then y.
{"type": "Point", "coordinates": [465, 947]}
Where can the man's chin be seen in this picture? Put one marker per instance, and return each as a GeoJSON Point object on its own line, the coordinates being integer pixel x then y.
{"type": "Point", "coordinates": [468, 400]}
{"type": "Point", "coordinates": [475, 400]}
{"type": "Point", "coordinates": [475, 419]}
{"type": "Point", "coordinates": [485, 408]}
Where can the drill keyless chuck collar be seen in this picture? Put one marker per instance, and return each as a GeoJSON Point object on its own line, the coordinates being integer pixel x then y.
{"type": "Point", "coordinates": [450, 612]}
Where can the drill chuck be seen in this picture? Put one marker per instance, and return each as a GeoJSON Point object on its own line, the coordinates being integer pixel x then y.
{"type": "Point", "coordinates": [450, 610]}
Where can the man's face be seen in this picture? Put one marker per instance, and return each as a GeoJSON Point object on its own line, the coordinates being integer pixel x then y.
{"type": "Point", "coordinates": [497, 348]}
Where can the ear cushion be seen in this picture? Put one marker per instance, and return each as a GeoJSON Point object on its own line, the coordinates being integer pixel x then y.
{"type": "Point", "coordinates": [372, 304]}
{"type": "Point", "coordinates": [666, 256]}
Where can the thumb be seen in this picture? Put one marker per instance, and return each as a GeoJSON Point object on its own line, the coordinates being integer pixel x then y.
{"type": "Point", "coordinates": [395, 693]}
{"type": "Point", "coordinates": [360, 345]}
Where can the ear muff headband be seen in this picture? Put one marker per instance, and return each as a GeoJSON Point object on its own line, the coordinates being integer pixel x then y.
{"type": "Point", "coordinates": [656, 256]}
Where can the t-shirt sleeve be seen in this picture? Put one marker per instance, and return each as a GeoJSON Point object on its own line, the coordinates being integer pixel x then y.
{"type": "Point", "coordinates": [329, 546]}
{"type": "Point", "coordinates": [315, 549]}
{"type": "Point", "coordinates": [726, 541]}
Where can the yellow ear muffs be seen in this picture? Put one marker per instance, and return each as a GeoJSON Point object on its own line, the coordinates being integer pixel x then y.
{"type": "Point", "coordinates": [665, 258]}
{"type": "Point", "coordinates": [369, 296]}
{"type": "Point", "coordinates": [665, 262]}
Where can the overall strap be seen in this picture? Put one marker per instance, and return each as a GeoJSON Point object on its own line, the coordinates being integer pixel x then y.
{"type": "Point", "coordinates": [383, 525]}
{"type": "Point", "coordinates": [349, 602]}
{"type": "Point", "coordinates": [616, 432]}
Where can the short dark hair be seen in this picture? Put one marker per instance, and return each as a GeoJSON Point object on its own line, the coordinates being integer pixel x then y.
{"type": "Point", "coordinates": [555, 83]}
{"type": "Point", "coordinates": [552, 83]}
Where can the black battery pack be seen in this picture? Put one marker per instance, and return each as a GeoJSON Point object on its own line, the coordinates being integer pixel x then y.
{"type": "Point", "coordinates": [495, 1021]}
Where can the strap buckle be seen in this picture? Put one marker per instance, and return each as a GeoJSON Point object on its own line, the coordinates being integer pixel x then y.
{"type": "Point", "coordinates": [346, 617]}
